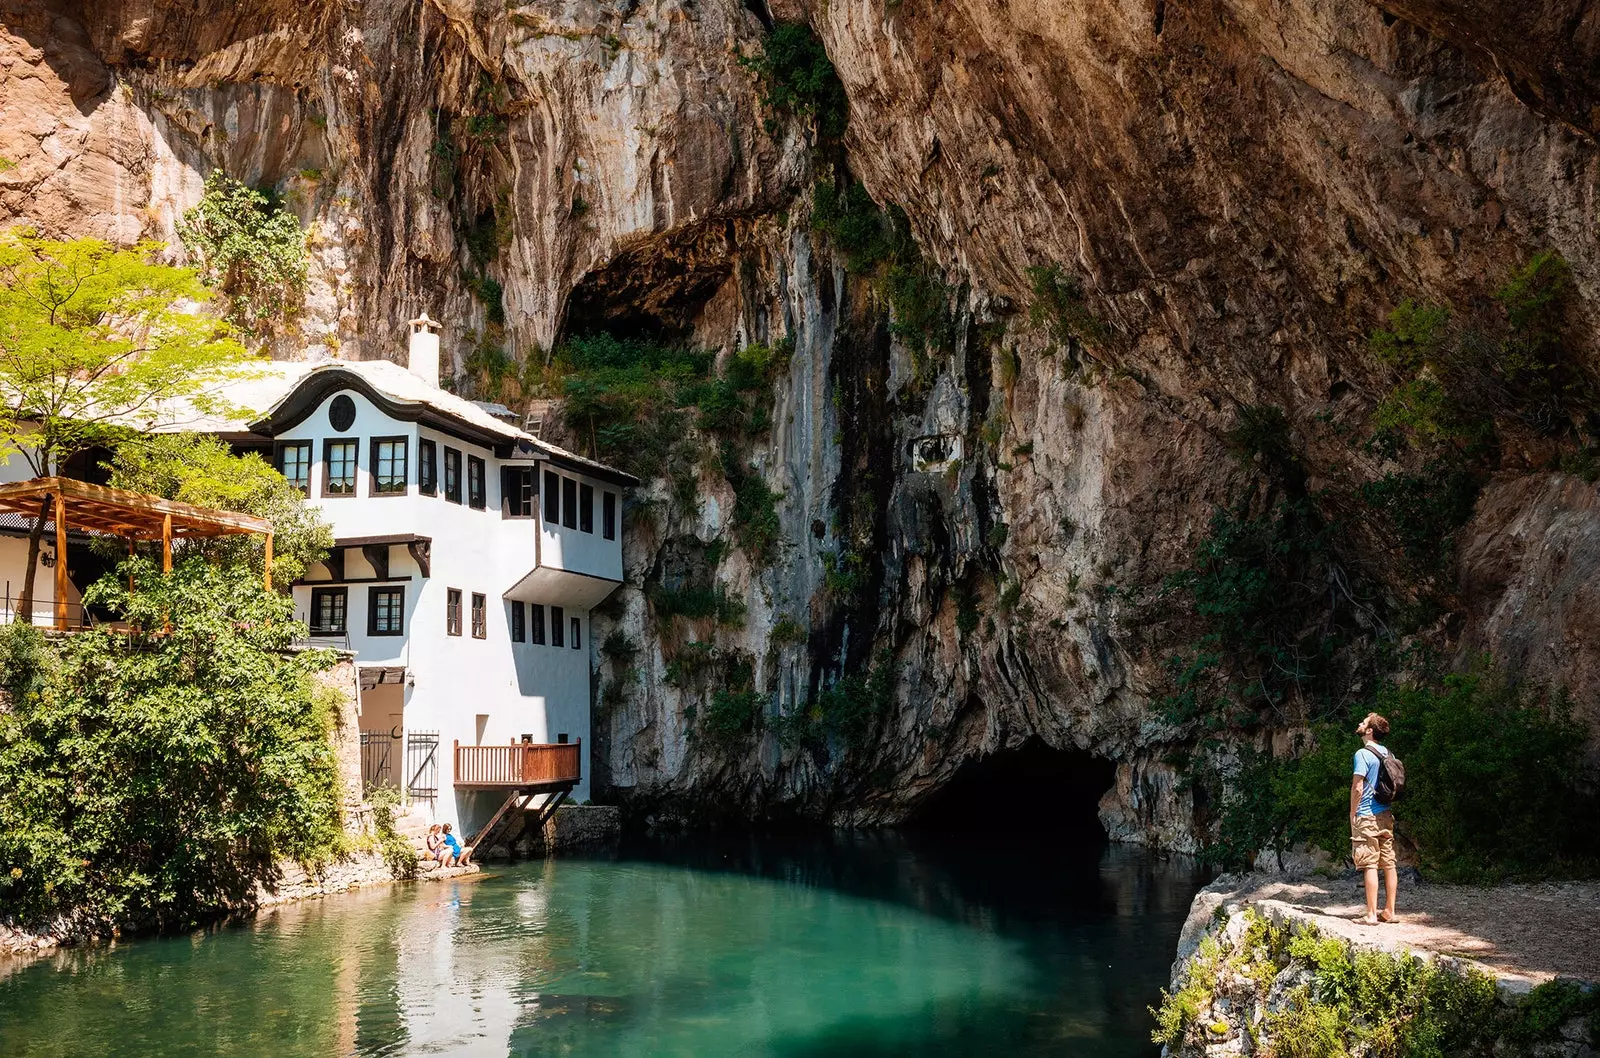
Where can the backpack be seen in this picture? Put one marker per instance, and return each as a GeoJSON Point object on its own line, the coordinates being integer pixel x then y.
{"type": "Point", "coordinates": [1391, 779]}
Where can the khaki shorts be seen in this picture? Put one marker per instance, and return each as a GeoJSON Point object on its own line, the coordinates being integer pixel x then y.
{"type": "Point", "coordinates": [1372, 841]}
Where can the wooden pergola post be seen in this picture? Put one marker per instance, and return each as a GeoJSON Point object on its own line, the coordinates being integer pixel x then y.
{"type": "Point", "coordinates": [166, 543]}
{"type": "Point", "coordinates": [266, 580]}
{"type": "Point", "coordinates": [61, 562]}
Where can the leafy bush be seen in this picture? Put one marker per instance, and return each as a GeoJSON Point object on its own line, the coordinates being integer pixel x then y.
{"type": "Point", "coordinates": [1424, 509]}
{"type": "Point", "coordinates": [695, 600]}
{"type": "Point", "coordinates": [1365, 1002]}
{"type": "Point", "coordinates": [1458, 376]}
{"type": "Point", "coordinates": [1267, 631]}
{"type": "Point", "coordinates": [1495, 784]}
{"type": "Point", "coordinates": [731, 718]}
{"type": "Point", "coordinates": [152, 781]}
{"type": "Point", "coordinates": [798, 79]}
{"type": "Point", "coordinates": [1060, 307]}
{"type": "Point", "coordinates": [249, 248]}
{"type": "Point", "coordinates": [877, 243]}
{"type": "Point", "coordinates": [398, 854]}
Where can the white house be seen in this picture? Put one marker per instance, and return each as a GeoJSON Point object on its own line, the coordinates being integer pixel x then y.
{"type": "Point", "coordinates": [468, 555]}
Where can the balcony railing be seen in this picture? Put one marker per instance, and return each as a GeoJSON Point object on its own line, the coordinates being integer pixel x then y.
{"type": "Point", "coordinates": [520, 764]}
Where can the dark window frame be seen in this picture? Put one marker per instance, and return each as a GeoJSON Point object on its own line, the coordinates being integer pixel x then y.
{"type": "Point", "coordinates": [328, 446]}
{"type": "Point", "coordinates": [477, 483]}
{"type": "Point", "coordinates": [452, 611]}
{"type": "Point", "coordinates": [558, 626]}
{"type": "Point", "coordinates": [569, 502]}
{"type": "Point", "coordinates": [585, 508]}
{"type": "Point", "coordinates": [427, 466]}
{"type": "Point", "coordinates": [405, 466]}
{"type": "Point", "coordinates": [399, 628]}
{"type": "Point", "coordinates": [519, 491]}
{"type": "Point", "coordinates": [536, 625]}
{"type": "Point", "coordinates": [300, 446]}
{"type": "Point", "coordinates": [317, 595]}
{"type": "Point", "coordinates": [480, 615]}
{"type": "Point", "coordinates": [552, 498]}
{"type": "Point", "coordinates": [608, 515]}
{"type": "Point", "coordinates": [452, 489]}
{"type": "Point", "coordinates": [577, 633]}
{"type": "Point", "coordinates": [519, 621]}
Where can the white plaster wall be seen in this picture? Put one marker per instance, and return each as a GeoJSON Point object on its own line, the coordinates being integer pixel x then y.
{"type": "Point", "coordinates": [14, 559]}
{"type": "Point", "coordinates": [519, 688]}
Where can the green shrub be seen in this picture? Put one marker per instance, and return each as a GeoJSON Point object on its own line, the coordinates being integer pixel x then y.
{"type": "Point", "coordinates": [1266, 630]}
{"type": "Point", "coordinates": [1060, 307]}
{"type": "Point", "coordinates": [1424, 509]}
{"type": "Point", "coordinates": [153, 782]}
{"type": "Point", "coordinates": [398, 854]}
{"type": "Point", "coordinates": [1261, 431]}
{"type": "Point", "coordinates": [730, 719]}
{"type": "Point", "coordinates": [695, 600]}
{"type": "Point", "coordinates": [798, 79]}
{"type": "Point", "coordinates": [250, 249]}
{"type": "Point", "coordinates": [1495, 784]}
{"type": "Point", "coordinates": [1369, 1003]}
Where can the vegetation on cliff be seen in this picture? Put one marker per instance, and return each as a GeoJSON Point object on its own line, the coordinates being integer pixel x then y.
{"type": "Point", "coordinates": [1296, 993]}
{"type": "Point", "coordinates": [1298, 626]}
{"type": "Point", "coordinates": [250, 249]}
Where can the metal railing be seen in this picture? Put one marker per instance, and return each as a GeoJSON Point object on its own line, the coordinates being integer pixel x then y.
{"type": "Point", "coordinates": [42, 613]}
{"type": "Point", "coordinates": [376, 756]}
{"type": "Point", "coordinates": [518, 764]}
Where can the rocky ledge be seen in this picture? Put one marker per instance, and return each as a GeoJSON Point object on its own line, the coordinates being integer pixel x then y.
{"type": "Point", "coordinates": [1281, 967]}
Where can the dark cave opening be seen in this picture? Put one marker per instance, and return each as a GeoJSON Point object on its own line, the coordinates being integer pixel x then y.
{"type": "Point", "coordinates": [1032, 788]}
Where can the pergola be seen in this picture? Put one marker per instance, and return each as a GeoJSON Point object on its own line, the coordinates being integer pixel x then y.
{"type": "Point", "coordinates": [132, 516]}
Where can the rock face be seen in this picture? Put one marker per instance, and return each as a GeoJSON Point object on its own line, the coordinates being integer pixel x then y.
{"type": "Point", "coordinates": [1245, 189]}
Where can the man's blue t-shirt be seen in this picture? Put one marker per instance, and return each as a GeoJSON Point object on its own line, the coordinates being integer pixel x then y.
{"type": "Point", "coordinates": [1367, 766]}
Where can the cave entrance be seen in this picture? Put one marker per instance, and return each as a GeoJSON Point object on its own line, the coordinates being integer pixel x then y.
{"type": "Point", "coordinates": [1032, 788]}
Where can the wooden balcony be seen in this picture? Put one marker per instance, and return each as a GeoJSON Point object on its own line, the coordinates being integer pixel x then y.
{"type": "Point", "coordinates": [519, 766]}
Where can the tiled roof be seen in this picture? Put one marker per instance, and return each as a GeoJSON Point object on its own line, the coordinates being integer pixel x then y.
{"type": "Point", "coordinates": [269, 384]}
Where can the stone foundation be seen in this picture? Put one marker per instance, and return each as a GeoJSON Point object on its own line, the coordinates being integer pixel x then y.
{"type": "Point", "coordinates": [574, 827]}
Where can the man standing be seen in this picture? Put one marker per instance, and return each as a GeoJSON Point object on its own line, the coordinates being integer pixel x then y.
{"type": "Point", "coordinates": [1371, 822]}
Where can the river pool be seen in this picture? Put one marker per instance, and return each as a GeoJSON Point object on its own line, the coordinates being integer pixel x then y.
{"type": "Point", "coordinates": [841, 944]}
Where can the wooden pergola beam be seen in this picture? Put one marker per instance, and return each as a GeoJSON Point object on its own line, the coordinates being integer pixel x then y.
{"type": "Point", "coordinates": [125, 513]}
{"type": "Point", "coordinates": [132, 516]}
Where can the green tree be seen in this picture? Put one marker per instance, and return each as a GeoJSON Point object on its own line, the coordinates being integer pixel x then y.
{"type": "Point", "coordinates": [197, 469]}
{"type": "Point", "coordinates": [151, 781]}
{"type": "Point", "coordinates": [249, 248]}
{"type": "Point", "coordinates": [93, 341]}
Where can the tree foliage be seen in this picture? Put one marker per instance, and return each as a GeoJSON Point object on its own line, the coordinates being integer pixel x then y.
{"type": "Point", "coordinates": [1496, 784]}
{"type": "Point", "coordinates": [153, 780]}
{"type": "Point", "coordinates": [199, 469]}
{"type": "Point", "coordinates": [798, 78]}
{"type": "Point", "coordinates": [248, 247]}
{"type": "Point", "coordinates": [95, 340]}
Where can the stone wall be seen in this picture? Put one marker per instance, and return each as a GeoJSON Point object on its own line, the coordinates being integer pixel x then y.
{"type": "Point", "coordinates": [573, 827]}
{"type": "Point", "coordinates": [1256, 975]}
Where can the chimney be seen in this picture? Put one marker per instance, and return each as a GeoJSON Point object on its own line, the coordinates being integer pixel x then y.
{"type": "Point", "coordinates": [423, 353]}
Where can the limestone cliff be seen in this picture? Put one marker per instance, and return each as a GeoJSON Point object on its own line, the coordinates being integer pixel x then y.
{"type": "Point", "coordinates": [1243, 188]}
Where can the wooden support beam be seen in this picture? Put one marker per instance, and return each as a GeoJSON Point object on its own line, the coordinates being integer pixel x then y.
{"type": "Point", "coordinates": [166, 543]}
{"type": "Point", "coordinates": [61, 562]}
{"type": "Point", "coordinates": [267, 578]}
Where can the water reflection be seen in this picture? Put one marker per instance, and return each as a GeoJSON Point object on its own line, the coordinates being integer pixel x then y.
{"type": "Point", "coordinates": [839, 944]}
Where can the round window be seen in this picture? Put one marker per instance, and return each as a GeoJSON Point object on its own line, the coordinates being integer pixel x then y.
{"type": "Point", "coordinates": [342, 413]}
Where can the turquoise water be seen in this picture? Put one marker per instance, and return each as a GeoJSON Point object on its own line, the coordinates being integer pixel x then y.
{"type": "Point", "coordinates": [837, 945]}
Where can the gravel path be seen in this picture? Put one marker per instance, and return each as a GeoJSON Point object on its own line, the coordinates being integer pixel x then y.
{"type": "Point", "coordinates": [1534, 931]}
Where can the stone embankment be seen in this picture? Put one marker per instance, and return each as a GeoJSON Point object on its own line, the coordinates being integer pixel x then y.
{"type": "Point", "coordinates": [1282, 966]}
